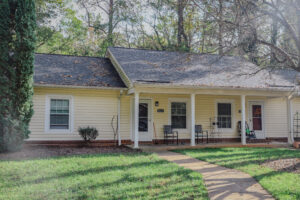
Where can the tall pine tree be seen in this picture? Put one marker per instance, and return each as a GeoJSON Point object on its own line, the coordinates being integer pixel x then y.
{"type": "Point", "coordinates": [17, 42]}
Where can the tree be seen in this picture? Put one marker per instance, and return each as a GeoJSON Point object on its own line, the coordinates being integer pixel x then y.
{"type": "Point", "coordinates": [17, 33]}
{"type": "Point", "coordinates": [105, 17]}
{"type": "Point", "coordinates": [284, 15]}
{"type": "Point", "coordinates": [181, 36]}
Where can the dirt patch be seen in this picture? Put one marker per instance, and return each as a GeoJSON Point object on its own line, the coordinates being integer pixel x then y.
{"type": "Point", "coordinates": [43, 152]}
{"type": "Point", "coordinates": [286, 165]}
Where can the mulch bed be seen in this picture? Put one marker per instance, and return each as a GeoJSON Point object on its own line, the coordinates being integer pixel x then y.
{"type": "Point", "coordinates": [285, 165]}
{"type": "Point", "coordinates": [45, 151]}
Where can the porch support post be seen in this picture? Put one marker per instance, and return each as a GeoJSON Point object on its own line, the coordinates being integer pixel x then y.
{"type": "Point", "coordinates": [243, 122]}
{"type": "Point", "coordinates": [119, 121]}
{"type": "Point", "coordinates": [192, 119]}
{"type": "Point", "coordinates": [290, 120]}
{"type": "Point", "coordinates": [136, 120]}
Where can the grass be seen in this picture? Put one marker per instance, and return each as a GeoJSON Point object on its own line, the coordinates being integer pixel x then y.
{"type": "Point", "coordinates": [282, 185]}
{"type": "Point", "coordinates": [106, 176]}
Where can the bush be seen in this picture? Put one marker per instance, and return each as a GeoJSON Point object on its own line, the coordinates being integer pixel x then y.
{"type": "Point", "coordinates": [88, 133]}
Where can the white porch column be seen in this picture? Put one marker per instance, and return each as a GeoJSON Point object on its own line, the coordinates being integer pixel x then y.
{"type": "Point", "coordinates": [136, 120]}
{"type": "Point", "coordinates": [119, 121]}
{"type": "Point", "coordinates": [243, 121]}
{"type": "Point", "coordinates": [290, 121]}
{"type": "Point", "coordinates": [192, 119]}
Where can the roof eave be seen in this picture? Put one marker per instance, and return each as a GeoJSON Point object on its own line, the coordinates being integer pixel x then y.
{"type": "Point", "coordinates": [119, 69]}
{"type": "Point", "coordinates": [77, 87]}
{"type": "Point", "coordinates": [289, 89]}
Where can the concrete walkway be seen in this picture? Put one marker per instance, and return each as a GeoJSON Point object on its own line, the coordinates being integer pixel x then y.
{"type": "Point", "coordinates": [221, 183]}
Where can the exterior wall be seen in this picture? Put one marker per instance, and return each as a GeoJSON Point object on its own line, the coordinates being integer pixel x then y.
{"type": "Point", "coordinates": [97, 107]}
{"type": "Point", "coordinates": [91, 108]}
{"type": "Point", "coordinates": [274, 117]}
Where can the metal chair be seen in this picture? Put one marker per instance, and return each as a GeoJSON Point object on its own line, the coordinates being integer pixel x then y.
{"type": "Point", "coordinates": [249, 133]}
{"type": "Point", "coordinates": [170, 134]}
{"type": "Point", "coordinates": [215, 132]}
{"type": "Point", "coordinates": [200, 133]}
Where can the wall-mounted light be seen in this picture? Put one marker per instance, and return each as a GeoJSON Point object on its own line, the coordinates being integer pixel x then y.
{"type": "Point", "coordinates": [156, 103]}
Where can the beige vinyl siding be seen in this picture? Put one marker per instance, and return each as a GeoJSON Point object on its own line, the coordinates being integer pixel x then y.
{"type": "Point", "coordinates": [276, 119]}
{"type": "Point", "coordinates": [275, 113]}
{"type": "Point", "coordinates": [91, 108]}
{"type": "Point", "coordinates": [97, 107]}
{"type": "Point", "coordinates": [296, 105]}
{"type": "Point", "coordinates": [204, 110]}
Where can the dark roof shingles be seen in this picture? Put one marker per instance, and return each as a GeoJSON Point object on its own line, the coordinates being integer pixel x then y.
{"type": "Point", "coordinates": [75, 71]}
{"type": "Point", "coordinates": [188, 69]}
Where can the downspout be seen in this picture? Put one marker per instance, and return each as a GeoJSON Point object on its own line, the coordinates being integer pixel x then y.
{"type": "Point", "coordinates": [119, 118]}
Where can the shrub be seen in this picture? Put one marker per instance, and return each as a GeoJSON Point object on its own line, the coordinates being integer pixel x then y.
{"type": "Point", "coordinates": [88, 133]}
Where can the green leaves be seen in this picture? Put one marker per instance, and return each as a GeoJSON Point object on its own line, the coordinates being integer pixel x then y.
{"type": "Point", "coordinates": [17, 43]}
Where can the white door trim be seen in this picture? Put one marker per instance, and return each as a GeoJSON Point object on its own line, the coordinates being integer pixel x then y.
{"type": "Point", "coordinates": [259, 134]}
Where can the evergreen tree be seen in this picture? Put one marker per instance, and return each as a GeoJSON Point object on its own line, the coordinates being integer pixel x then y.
{"type": "Point", "coordinates": [17, 42]}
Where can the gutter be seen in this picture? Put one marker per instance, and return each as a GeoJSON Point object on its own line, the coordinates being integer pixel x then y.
{"type": "Point", "coordinates": [213, 87]}
{"type": "Point", "coordinates": [119, 118]}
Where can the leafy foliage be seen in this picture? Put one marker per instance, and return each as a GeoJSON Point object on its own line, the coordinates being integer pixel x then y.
{"type": "Point", "coordinates": [88, 133]}
{"type": "Point", "coordinates": [16, 77]}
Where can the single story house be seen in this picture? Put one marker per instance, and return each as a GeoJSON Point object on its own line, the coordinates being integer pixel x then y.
{"type": "Point", "coordinates": [132, 93]}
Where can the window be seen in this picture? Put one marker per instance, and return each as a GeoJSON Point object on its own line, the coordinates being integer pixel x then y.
{"type": "Point", "coordinates": [178, 115]}
{"type": "Point", "coordinates": [224, 115]}
{"type": "Point", "coordinates": [59, 114]}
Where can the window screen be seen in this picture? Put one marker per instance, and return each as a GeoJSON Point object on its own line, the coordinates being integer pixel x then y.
{"type": "Point", "coordinates": [59, 114]}
{"type": "Point", "coordinates": [224, 115]}
{"type": "Point", "coordinates": [178, 115]}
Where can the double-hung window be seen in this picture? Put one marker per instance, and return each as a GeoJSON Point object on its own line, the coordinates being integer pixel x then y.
{"type": "Point", "coordinates": [178, 115]}
{"type": "Point", "coordinates": [224, 115]}
{"type": "Point", "coordinates": [58, 114]}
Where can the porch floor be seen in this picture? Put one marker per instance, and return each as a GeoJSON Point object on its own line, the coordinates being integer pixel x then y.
{"type": "Point", "coordinates": [164, 147]}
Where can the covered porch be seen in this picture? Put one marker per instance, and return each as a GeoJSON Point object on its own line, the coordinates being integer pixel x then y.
{"type": "Point", "coordinates": [217, 111]}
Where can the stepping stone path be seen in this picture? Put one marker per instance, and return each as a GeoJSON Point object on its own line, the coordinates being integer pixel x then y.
{"type": "Point", "coordinates": [221, 183]}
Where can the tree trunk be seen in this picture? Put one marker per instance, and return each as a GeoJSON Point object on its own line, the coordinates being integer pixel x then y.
{"type": "Point", "coordinates": [180, 26]}
{"type": "Point", "coordinates": [220, 23]}
{"type": "Point", "coordinates": [274, 35]}
{"type": "Point", "coordinates": [110, 23]}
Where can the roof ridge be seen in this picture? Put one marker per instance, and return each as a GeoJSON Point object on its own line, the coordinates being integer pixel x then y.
{"type": "Point", "coordinates": [174, 51]}
{"type": "Point", "coordinates": [54, 54]}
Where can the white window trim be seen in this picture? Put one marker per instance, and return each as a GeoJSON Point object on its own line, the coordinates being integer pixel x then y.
{"type": "Point", "coordinates": [47, 114]}
{"type": "Point", "coordinates": [232, 102]}
{"type": "Point", "coordinates": [188, 113]}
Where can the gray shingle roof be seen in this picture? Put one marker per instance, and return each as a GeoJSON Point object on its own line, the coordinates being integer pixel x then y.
{"type": "Point", "coordinates": [203, 70]}
{"type": "Point", "coordinates": [75, 71]}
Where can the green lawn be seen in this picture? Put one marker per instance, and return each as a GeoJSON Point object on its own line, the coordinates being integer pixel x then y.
{"type": "Point", "coordinates": [110, 176]}
{"type": "Point", "coordinates": [282, 185]}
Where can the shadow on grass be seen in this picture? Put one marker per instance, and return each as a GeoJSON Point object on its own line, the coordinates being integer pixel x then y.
{"type": "Point", "coordinates": [60, 157]}
{"type": "Point", "coordinates": [106, 169]}
{"type": "Point", "coordinates": [240, 158]}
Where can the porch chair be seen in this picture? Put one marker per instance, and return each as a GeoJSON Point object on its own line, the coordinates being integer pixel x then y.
{"type": "Point", "coordinates": [169, 133]}
{"type": "Point", "coordinates": [199, 133]}
{"type": "Point", "coordinates": [250, 134]}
